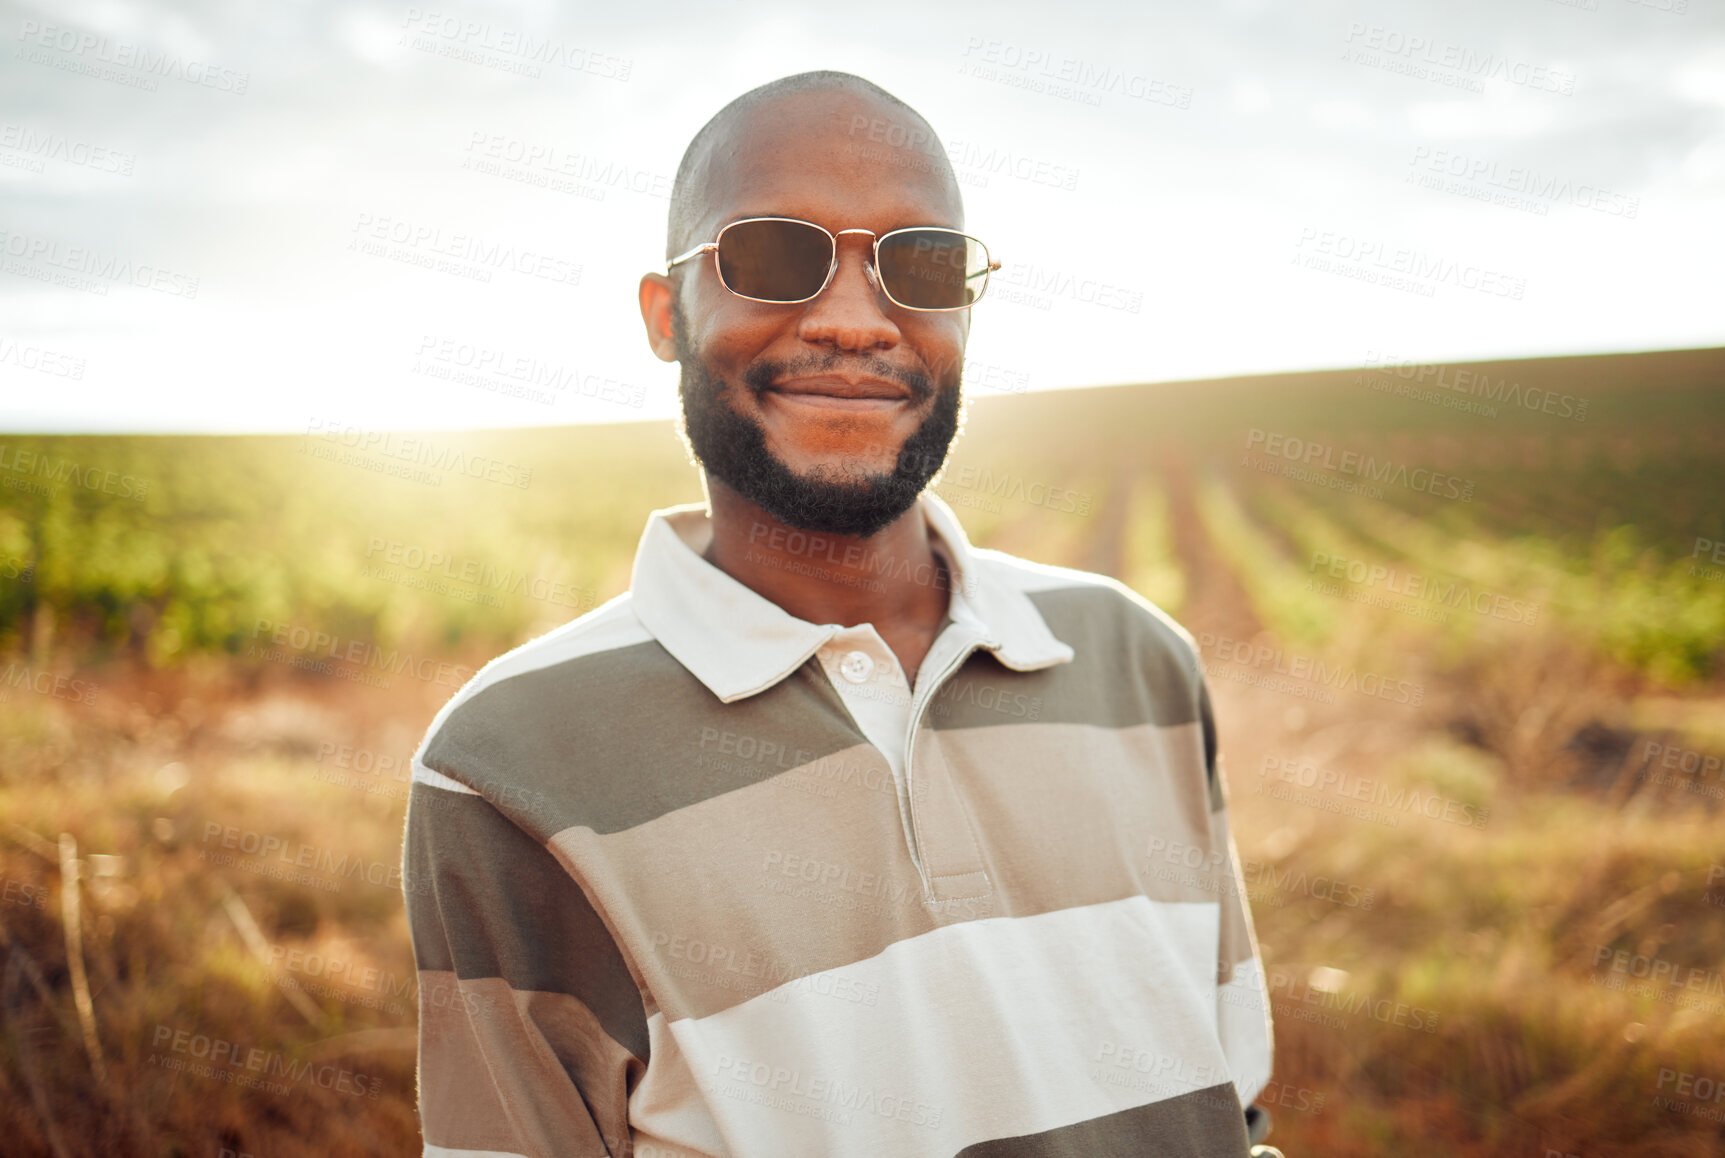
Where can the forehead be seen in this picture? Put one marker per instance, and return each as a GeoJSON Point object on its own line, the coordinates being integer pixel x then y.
{"type": "Point", "coordinates": [840, 159]}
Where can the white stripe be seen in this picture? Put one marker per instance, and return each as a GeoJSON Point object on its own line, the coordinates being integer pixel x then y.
{"type": "Point", "coordinates": [983, 1029]}
{"type": "Point", "coordinates": [446, 1152]}
{"type": "Point", "coordinates": [424, 775]}
{"type": "Point", "coordinates": [667, 1113]}
{"type": "Point", "coordinates": [1243, 1012]}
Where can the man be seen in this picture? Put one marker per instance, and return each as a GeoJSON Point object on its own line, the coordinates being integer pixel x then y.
{"type": "Point", "coordinates": [834, 835]}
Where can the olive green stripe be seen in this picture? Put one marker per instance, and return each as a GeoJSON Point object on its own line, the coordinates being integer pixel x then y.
{"type": "Point", "coordinates": [613, 740]}
{"type": "Point", "coordinates": [1208, 1123]}
{"type": "Point", "coordinates": [484, 899]}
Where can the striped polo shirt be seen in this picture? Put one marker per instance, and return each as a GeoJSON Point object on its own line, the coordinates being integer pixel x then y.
{"type": "Point", "coordinates": [690, 876]}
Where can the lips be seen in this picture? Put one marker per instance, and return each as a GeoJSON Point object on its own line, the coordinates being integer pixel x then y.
{"type": "Point", "coordinates": [835, 386]}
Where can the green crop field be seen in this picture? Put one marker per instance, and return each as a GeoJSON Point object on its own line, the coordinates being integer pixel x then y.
{"type": "Point", "coordinates": [1464, 626]}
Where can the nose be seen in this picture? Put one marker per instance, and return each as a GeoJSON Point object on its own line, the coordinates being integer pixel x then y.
{"type": "Point", "coordinates": [847, 314]}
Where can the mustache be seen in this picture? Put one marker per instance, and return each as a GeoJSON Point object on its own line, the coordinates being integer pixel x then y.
{"type": "Point", "coordinates": [763, 374]}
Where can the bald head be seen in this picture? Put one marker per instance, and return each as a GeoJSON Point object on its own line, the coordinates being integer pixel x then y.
{"type": "Point", "coordinates": [852, 119]}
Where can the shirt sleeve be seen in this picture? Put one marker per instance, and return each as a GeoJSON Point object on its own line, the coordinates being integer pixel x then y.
{"type": "Point", "coordinates": [1242, 998]}
{"type": "Point", "coordinates": [531, 1027]}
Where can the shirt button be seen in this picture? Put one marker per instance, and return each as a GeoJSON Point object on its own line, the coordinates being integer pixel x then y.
{"type": "Point", "coordinates": [856, 666]}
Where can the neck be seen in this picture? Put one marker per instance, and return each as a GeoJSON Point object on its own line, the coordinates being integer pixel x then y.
{"type": "Point", "coordinates": [893, 577]}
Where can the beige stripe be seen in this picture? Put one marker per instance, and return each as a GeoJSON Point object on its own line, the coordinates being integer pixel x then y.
{"type": "Point", "coordinates": [1068, 813]}
{"type": "Point", "coordinates": [495, 1066]}
{"type": "Point", "coordinates": [736, 895]}
{"type": "Point", "coordinates": [950, 851]}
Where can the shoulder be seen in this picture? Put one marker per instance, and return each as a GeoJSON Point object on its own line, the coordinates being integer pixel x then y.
{"type": "Point", "coordinates": [509, 703]}
{"type": "Point", "coordinates": [1086, 607]}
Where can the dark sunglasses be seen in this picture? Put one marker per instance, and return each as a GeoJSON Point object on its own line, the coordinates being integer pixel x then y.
{"type": "Point", "coordinates": [786, 261]}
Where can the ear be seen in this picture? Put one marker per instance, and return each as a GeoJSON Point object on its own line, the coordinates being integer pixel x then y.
{"type": "Point", "coordinates": [657, 294]}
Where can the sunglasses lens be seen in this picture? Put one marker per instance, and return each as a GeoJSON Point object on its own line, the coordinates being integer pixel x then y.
{"type": "Point", "coordinates": [933, 269]}
{"type": "Point", "coordinates": [775, 261]}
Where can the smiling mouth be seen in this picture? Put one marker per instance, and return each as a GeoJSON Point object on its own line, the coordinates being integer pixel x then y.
{"type": "Point", "coordinates": [833, 392]}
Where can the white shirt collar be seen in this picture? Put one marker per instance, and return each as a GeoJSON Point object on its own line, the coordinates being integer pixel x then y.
{"type": "Point", "coordinates": [738, 642]}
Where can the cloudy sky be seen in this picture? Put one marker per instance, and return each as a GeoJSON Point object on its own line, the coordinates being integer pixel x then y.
{"type": "Point", "coordinates": [244, 216]}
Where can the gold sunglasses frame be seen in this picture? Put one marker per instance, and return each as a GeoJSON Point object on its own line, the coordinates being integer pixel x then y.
{"type": "Point", "coordinates": [833, 264]}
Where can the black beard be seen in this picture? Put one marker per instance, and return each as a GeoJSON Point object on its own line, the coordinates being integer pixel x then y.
{"type": "Point", "coordinates": [733, 447]}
